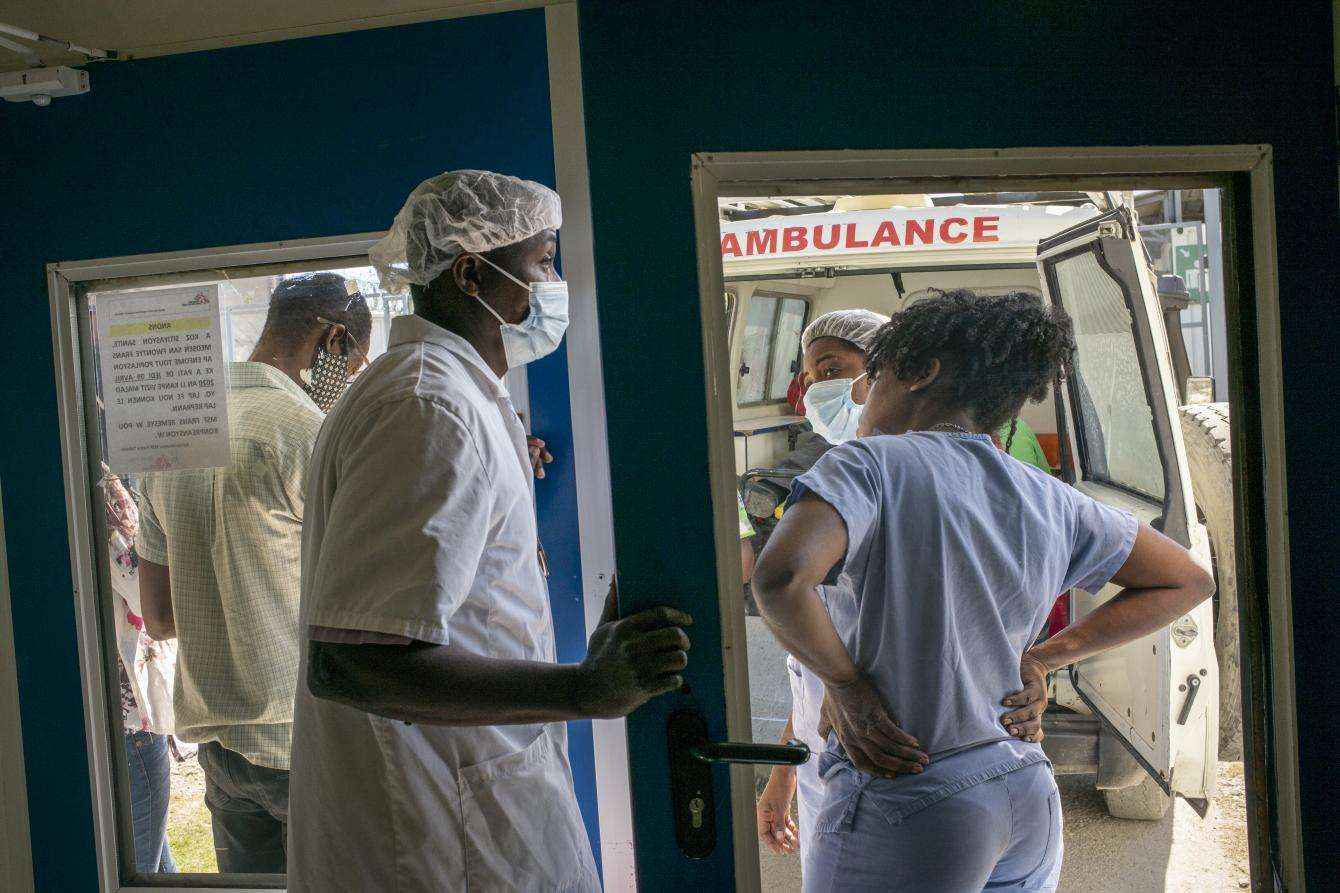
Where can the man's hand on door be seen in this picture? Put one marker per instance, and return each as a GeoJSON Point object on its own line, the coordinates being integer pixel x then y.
{"type": "Point", "coordinates": [633, 659]}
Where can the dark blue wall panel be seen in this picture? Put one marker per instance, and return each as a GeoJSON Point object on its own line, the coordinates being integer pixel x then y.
{"type": "Point", "coordinates": [314, 137]}
{"type": "Point", "coordinates": [724, 76]}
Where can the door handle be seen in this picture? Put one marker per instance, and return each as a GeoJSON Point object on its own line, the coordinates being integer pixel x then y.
{"type": "Point", "coordinates": [1192, 686]}
{"type": "Point", "coordinates": [692, 797]}
{"type": "Point", "coordinates": [792, 753]}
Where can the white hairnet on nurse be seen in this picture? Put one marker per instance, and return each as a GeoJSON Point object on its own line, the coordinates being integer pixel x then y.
{"type": "Point", "coordinates": [856, 326]}
{"type": "Point", "coordinates": [460, 211]}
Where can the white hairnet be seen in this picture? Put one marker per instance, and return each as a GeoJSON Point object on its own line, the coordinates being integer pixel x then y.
{"type": "Point", "coordinates": [459, 211]}
{"type": "Point", "coordinates": [856, 326]}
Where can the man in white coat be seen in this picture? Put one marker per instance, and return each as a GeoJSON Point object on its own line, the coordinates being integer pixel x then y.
{"type": "Point", "coordinates": [429, 746]}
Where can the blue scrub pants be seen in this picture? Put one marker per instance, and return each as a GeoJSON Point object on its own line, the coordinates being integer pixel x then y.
{"type": "Point", "coordinates": [1000, 834]}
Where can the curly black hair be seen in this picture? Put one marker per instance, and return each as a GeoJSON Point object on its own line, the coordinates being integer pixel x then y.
{"type": "Point", "coordinates": [995, 352]}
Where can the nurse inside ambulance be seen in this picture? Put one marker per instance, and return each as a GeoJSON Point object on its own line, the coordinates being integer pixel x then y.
{"type": "Point", "coordinates": [834, 348]}
{"type": "Point", "coordinates": [429, 746]}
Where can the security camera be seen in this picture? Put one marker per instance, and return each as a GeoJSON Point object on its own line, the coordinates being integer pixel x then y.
{"type": "Point", "coordinates": [39, 85]}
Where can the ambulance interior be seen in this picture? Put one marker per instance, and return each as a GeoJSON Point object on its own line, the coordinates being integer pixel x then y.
{"type": "Point", "coordinates": [768, 310]}
{"type": "Point", "coordinates": [773, 313]}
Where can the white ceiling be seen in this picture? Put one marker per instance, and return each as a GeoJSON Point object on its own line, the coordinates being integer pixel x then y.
{"type": "Point", "coordinates": [159, 27]}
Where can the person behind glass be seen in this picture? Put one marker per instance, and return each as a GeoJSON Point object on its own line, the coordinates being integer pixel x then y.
{"type": "Point", "coordinates": [948, 549]}
{"type": "Point", "coordinates": [835, 387]}
{"type": "Point", "coordinates": [220, 553]}
{"type": "Point", "coordinates": [145, 669]}
{"type": "Point", "coordinates": [429, 738]}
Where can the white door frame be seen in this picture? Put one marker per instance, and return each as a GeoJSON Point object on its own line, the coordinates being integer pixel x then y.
{"type": "Point", "coordinates": [983, 170]}
{"type": "Point", "coordinates": [590, 445]}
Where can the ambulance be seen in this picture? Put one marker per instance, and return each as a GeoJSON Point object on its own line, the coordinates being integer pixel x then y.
{"type": "Point", "coordinates": [1143, 719]}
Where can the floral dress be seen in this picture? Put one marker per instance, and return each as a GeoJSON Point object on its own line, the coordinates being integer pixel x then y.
{"type": "Point", "coordinates": [147, 666]}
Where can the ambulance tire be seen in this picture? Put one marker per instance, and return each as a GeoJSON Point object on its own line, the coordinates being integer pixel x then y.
{"type": "Point", "coordinates": [1144, 802]}
{"type": "Point", "coordinates": [1205, 429]}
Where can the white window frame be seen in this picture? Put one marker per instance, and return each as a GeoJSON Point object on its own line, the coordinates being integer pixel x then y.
{"type": "Point", "coordinates": [773, 331]}
{"type": "Point", "coordinates": [724, 175]}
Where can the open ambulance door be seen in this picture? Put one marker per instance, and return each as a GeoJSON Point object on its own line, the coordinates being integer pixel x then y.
{"type": "Point", "coordinates": [1117, 417]}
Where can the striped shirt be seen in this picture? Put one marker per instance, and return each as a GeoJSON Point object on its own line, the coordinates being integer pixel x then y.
{"type": "Point", "coordinates": [232, 541]}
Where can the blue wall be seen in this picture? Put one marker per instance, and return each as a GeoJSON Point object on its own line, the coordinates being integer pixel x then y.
{"type": "Point", "coordinates": [315, 137]}
{"type": "Point", "coordinates": [755, 76]}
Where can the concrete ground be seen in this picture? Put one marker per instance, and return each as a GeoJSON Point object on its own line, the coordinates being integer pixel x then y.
{"type": "Point", "coordinates": [1181, 853]}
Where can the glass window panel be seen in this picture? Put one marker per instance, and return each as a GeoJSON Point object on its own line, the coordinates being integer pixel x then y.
{"type": "Point", "coordinates": [753, 369]}
{"type": "Point", "coordinates": [786, 347]}
{"type": "Point", "coordinates": [140, 689]}
{"type": "Point", "coordinates": [1120, 445]}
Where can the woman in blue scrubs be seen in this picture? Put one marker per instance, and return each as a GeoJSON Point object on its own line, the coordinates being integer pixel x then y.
{"type": "Point", "coordinates": [951, 553]}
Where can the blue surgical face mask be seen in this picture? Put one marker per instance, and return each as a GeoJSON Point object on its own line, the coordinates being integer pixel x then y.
{"type": "Point", "coordinates": [540, 333]}
{"type": "Point", "coordinates": [831, 411]}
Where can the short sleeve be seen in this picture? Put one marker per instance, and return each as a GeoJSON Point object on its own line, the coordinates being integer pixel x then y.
{"type": "Point", "coordinates": [1104, 537]}
{"type": "Point", "coordinates": [847, 478]}
{"type": "Point", "coordinates": [354, 637]}
{"type": "Point", "coordinates": [406, 526]}
{"type": "Point", "coordinates": [151, 544]}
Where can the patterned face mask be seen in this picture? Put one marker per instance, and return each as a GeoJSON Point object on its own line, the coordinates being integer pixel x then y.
{"type": "Point", "coordinates": [327, 379]}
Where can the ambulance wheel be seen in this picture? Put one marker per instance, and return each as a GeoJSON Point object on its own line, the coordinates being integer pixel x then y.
{"type": "Point", "coordinates": [1144, 802]}
{"type": "Point", "coordinates": [1205, 429]}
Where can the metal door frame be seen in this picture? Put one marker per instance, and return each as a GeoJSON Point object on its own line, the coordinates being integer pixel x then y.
{"type": "Point", "coordinates": [1245, 174]}
{"type": "Point", "coordinates": [64, 284]}
{"type": "Point", "coordinates": [16, 856]}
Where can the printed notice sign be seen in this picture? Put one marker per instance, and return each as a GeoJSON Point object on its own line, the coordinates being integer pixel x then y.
{"type": "Point", "coordinates": [163, 379]}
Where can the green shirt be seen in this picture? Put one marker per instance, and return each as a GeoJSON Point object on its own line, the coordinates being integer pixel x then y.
{"type": "Point", "coordinates": [231, 539]}
{"type": "Point", "coordinates": [1025, 446]}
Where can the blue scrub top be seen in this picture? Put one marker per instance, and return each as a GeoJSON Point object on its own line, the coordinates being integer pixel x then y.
{"type": "Point", "coordinates": [956, 553]}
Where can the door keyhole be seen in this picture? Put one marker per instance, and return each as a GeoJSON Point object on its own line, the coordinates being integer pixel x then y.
{"type": "Point", "coordinates": [696, 807]}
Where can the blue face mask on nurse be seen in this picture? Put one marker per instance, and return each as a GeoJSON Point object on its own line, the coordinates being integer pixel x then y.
{"type": "Point", "coordinates": [834, 347]}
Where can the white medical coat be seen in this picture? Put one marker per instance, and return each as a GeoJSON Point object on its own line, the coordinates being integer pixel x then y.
{"type": "Point", "coordinates": [420, 523]}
